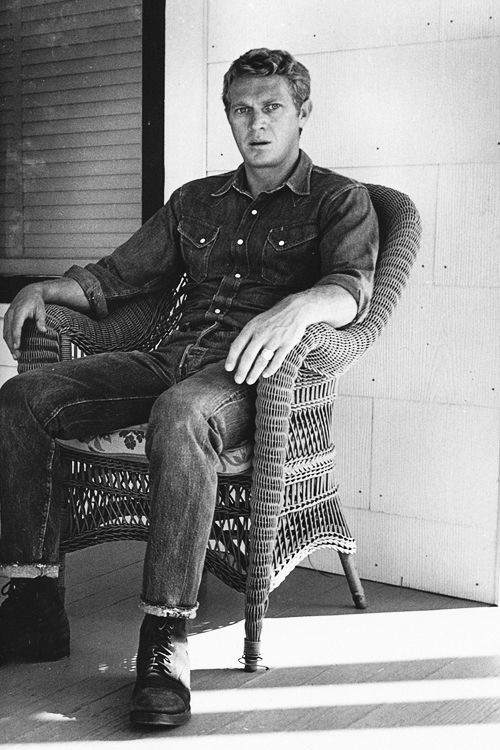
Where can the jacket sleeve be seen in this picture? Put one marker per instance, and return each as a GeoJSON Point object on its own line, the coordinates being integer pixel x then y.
{"type": "Point", "coordinates": [349, 244]}
{"type": "Point", "coordinates": [146, 262]}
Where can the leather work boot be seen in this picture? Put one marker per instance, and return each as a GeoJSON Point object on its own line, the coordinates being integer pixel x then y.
{"type": "Point", "coordinates": [33, 623]}
{"type": "Point", "coordinates": [161, 693]}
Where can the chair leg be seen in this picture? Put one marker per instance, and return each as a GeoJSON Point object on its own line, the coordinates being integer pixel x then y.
{"type": "Point", "coordinates": [251, 655]}
{"type": "Point", "coordinates": [61, 581]}
{"type": "Point", "coordinates": [355, 585]}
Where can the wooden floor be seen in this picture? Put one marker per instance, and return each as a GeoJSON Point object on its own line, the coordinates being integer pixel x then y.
{"type": "Point", "coordinates": [414, 670]}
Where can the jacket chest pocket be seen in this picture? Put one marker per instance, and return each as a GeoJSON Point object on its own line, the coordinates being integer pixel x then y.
{"type": "Point", "coordinates": [197, 241]}
{"type": "Point", "coordinates": [290, 255]}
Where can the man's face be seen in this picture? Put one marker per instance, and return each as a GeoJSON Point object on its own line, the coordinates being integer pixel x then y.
{"type": "Point", "coordinates": [265, 121]}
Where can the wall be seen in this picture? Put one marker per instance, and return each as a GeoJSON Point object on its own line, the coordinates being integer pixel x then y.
{"type": "Point", "coordinates": [404, 94]}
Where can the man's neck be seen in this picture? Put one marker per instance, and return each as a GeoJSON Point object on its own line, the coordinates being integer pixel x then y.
{"type": "Point", "coordinates": [268, 178]}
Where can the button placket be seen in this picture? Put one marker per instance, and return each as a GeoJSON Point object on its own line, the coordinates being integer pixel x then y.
{"type": "Point", "coordinates": [242, 232]}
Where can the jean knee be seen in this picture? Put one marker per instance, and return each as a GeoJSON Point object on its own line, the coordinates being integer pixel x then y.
{"type": "Point", "coordinates": [28, 395]}
{"type": "Point", "coordinates": [16, 394]}
{"type": "Point", "coordinates": [216, 417]}
{"type": "Point", "coordinates": [172, 411]}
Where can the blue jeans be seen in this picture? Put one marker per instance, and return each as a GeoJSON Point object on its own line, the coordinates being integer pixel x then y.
{"type": "Point", "coordinates": [195, 410]}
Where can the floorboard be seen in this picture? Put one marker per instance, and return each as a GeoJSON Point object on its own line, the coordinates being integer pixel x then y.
{"type": "Point", "coordinates": [413, 661]}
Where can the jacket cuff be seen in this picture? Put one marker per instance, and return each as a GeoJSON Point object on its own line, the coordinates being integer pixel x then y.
{"type": "Point", "coordinates": [352, 286]}
{"type": "Point", "coordinates": [91, 288]}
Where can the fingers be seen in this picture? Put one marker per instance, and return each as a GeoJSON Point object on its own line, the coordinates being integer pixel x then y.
{"type": "Point", "coordinates": [260, 363]}
{"type": "Point", "coordinates": [247, 361]}
{"type": "Point", "coordinates": [276, 362]}
{"type": "Point", "coordinates": [261, 347]}
{"type": "Point", "coordinates": [40, 317]}
{"type": "Point", "coordinates": [14, 320]}
{"type": "Point", "coordinates": [256, 358]}
{"type": "Point", "coordinates": [16, 329]}
{"type": "Point", "coordinates": [235, 350]}
{"type": "Point", "coordinates": [7, 331]}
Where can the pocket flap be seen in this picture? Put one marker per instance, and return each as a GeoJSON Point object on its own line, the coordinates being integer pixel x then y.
{"type": "Point", "coordinates": [200, 234]}
{"type": "Point", "coordinates": [283, 238]}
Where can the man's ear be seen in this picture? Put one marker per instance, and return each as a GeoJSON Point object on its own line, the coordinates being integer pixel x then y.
{"type": "Point", "coordinates": [304, 113]}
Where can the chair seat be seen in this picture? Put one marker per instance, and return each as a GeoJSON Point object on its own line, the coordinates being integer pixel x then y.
{"type": "Point", "coordinates": [129, 444]}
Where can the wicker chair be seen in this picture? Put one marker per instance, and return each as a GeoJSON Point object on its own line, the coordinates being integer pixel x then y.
{"type": "Point", "coordinates": [267, 520]}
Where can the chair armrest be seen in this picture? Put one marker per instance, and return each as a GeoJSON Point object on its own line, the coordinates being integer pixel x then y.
{"type": "Point", "coordinates": [323, 353]}
{"type": "Point", "coordinates": [138, 324]}
{"type": "Point", "coordinates": [329, 352]}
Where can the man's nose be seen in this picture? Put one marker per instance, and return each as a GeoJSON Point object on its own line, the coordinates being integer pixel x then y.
{"type": "Point", "coordinates": [258, 121]}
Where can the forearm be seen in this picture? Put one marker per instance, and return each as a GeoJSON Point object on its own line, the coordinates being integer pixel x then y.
{"type": "Point", "coordinates": [63, 291]}
{"type": "Point", "coordinates": [325, 304]}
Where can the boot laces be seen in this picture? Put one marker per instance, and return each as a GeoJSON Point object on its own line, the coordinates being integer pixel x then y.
{"type": "Point", "coordinates": [12, 590]}
{"type": "Point", "coordinates": [159, 660]}
{"type": "Point", "coordinates": [5, 590]}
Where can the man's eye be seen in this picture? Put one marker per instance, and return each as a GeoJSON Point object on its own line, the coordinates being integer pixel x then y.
{"type": "Point", "coordinates": [240, 110]}
{"type": "Point", "coordinates": [272, 107]}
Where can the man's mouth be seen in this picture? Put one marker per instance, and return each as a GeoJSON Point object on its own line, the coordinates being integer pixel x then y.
{"type": "Point", "coordinates": [259, 143]}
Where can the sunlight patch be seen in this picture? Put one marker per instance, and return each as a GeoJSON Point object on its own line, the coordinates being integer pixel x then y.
{"type": "Point", "coordinates": [362, 694]}
{"type": "Point", "coordinates": [360, 638]}
{"type": "Point", "coordinates": [462, 737]}
{"type": "Point", "coordinates": [48, 716]}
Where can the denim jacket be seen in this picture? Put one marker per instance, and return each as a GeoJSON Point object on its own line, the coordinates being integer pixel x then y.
{"type": "Point", "coordinates": [243, 254]}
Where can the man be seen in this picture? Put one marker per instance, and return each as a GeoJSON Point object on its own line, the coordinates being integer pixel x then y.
{"type": "Point", "coordinates": [269, 249]}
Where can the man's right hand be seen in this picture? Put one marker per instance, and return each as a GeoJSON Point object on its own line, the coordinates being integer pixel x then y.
{"type": "Point", "coordinates": [28, 303]}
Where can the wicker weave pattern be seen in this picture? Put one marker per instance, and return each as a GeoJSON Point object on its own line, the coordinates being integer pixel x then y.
{"type": "Point", "coordinates": [141, 325]}
{"type": "Point", "coordinates": [322, 355]}
{"type": "Point", "coordinates": [264, 524]}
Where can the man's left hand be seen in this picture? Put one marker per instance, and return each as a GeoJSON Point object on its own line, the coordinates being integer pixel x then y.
{"type": "Point", "coordinates": [265, 341]}
{"type": "Point", "coordinates": [262, 345]}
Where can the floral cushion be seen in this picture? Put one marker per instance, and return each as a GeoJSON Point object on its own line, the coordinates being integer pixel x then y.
{"type": "Point", "coordinates": [130, 443]}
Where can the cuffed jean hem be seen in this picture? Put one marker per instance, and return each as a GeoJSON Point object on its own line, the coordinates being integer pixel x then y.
{"type": "Point", "coordinates": [187, 613]}
{"type": "Point", "coordinates": [29, 570]}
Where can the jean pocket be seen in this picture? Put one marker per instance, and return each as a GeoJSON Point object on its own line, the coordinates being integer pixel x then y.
{"type": "Point", "coordinates": [290, 255]}
{"type": "Point", "coordinates": [197, 241]}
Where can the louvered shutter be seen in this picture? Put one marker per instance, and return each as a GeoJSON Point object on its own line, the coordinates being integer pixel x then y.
{"type": "Point", "coordinates": [70, 146]}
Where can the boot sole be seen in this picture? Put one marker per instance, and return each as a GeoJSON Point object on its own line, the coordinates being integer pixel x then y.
{"type": "Point", "coordinates": [55, 655]}
{"type": "Point", "coordinates": [32, 655]}
{"type": "Point", "coordinates": [158, 719]}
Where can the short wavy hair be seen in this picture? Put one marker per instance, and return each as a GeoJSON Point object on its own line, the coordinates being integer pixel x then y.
{"type": "Point", "coordinates": [267, 62]}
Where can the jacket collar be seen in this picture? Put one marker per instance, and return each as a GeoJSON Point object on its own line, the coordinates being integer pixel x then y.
{"type": "Point", "coordinates": [299, 181]}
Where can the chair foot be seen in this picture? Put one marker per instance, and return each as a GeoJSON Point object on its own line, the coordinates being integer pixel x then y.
{"type": "Point", "coordinates": [354, 581]}
{"type": "Point", "coordinates": [251, 656]}
{"type": "Point", "coordinates": [360, 601]}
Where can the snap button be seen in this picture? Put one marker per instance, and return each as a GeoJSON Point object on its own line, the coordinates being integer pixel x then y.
{"type": "Point", "coordinates": [254, 211]}
{"type": "Point", "coordinates": [240, 242]}
{"type": "Point", "coordinates": [202, 240]}
{"type": "Point", "coordinates": [237, 275]}
{"type": "Point", "coordinates": [281, 243]}
{"type": "Point", "coordinates": [216, 311]}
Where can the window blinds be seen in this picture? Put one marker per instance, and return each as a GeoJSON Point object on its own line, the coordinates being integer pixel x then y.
{"type": "Point", "coordinates": [70, 131]}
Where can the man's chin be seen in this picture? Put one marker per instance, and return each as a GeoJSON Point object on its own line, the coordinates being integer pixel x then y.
{"type": "Point", "coordinates": [259, 159]}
